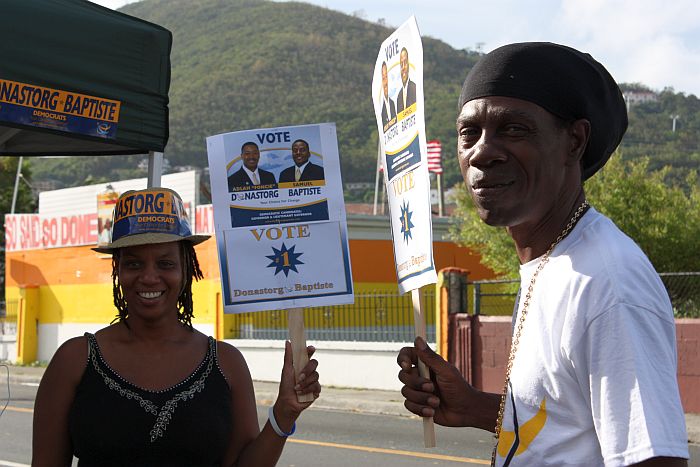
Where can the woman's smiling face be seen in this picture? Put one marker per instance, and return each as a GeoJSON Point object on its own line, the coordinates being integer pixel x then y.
{"type": "Point", "coordinates": [151, 278]}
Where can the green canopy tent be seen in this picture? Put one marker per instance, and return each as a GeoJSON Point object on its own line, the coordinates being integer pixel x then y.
{"type": "Point", "coordinates": [82, 80]}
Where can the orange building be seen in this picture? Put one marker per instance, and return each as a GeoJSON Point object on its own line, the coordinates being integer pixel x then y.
{"type": "Point", "coordinates": [65, 289]}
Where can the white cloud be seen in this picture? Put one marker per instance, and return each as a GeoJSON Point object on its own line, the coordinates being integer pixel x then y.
{"type": "Point", "coordinates": [650, 41]}
{"type": "Point", "coordinates": [113, 4]}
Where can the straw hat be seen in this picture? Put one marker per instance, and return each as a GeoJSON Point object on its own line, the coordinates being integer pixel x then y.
{"type": "Point", "coordinates": [144, 217]}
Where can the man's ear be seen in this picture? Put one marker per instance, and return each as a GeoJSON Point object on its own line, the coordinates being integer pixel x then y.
{"type": "Point", "coordinates": [579, 133]}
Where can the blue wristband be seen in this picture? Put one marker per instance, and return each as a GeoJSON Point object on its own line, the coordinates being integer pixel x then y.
{"type": "Point", "coordinates": [276, 427]}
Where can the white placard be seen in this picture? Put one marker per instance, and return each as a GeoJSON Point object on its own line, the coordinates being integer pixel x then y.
{"type": "Point", "coordinates": [397, 94]}
{"type": "Point", "coordinates": [281, 233]}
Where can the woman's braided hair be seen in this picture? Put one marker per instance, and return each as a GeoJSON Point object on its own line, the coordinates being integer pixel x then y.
{"type": "Point", "coordinates": [191, 271]}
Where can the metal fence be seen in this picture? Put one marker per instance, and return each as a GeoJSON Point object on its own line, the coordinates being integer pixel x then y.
{"type": "Point", "coordinates": [684, 290]}
{"type": "Point", "coordinates": [492, 297]}
{"type": "Point", "coordinates": [8, 317]}
{"type": "Point", "coordinates": [376, 316]}
{"type": "Point", "coordinates": [497, 297]}
{"type": "Point", "coordinates": [381, 316]}
{"type": "Point", "coordinates": [384, 316]}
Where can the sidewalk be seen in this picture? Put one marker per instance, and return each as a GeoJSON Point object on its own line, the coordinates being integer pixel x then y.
{"type": "Point", "coordinates": [343, 399]}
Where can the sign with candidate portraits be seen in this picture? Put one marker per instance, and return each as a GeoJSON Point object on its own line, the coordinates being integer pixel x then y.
{"type": "Point", "coordinates": [397, 94]}
{"type": "Point", "coordinates": [279, 218]}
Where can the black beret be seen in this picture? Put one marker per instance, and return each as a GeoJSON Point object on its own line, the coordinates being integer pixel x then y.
{"type": "Point", "coordinates": [568, 83]}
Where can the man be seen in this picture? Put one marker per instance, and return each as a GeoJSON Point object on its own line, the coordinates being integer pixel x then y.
{"type": "Point", "coordinates": [302, 170]}
{"type": "Point", "coordinates": [592, 373]}
{"type": "Point", "coordinates": [250, 175]}
{"type": "Point", "coordinates": [407, 94]}
{"type": "Point", "coordinates": [388, 107]}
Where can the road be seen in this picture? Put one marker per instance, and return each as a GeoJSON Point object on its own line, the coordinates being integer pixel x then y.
{"type": "Point", "coordinates": [323, 438]}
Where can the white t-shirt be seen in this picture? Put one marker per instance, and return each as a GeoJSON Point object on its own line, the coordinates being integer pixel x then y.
{"type": "Point", "coordinates": [594, 377]}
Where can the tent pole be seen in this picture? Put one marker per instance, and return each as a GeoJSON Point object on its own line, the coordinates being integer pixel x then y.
{"type": "Point", "coordinates": [441, 198]}
{"type": "Point", "coordinates": [155, 168]}
{"type": "Point", "coordinates": [14, 193]}
{"type": "Point", "coordinates": [376, 176]}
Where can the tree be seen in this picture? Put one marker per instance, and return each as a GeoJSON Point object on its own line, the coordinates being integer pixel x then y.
{"type": "Point", "coordinates": [25, 203]}
{"type": "Point", "coordinates": [661, 217]}
{"type": "Point", "coordinates": [495, 246]}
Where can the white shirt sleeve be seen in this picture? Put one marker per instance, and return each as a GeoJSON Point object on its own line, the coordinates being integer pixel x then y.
{"type": "Point", "coordinates": [626, 362]}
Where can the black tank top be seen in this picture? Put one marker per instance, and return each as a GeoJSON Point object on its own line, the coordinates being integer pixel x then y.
{"type": "Point", "coordinates": [115, 423]}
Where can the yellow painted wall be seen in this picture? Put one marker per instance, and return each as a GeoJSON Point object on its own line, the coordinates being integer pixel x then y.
{"type": "Point", "coordinates": [75, 286]}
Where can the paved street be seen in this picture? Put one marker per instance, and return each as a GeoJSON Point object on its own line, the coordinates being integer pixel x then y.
{"type": "Point", "coordinates": [347, 428]}
{"type": "Point", "coordinates": [324, 438]}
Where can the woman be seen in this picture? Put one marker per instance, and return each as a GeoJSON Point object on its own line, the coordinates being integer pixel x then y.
{"type": "Point", "coordinates": [149, 389]}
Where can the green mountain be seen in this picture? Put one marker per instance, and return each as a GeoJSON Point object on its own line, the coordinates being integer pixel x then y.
{"type": "Point", "coordinates": [241, 64]}
{"type": "Point", "coordinates": [653, 133]}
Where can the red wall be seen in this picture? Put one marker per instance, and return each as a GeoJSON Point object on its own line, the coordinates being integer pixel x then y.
{"type": "Point", "coordinates": [688, 342]}
{"type": "Point", "coordinates": [479, 348]}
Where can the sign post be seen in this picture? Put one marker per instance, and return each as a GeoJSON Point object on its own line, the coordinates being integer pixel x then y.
{"type": "Point", "coordinates": [297, 336]}
{"type": "Point", "coordinates": [397, 94]}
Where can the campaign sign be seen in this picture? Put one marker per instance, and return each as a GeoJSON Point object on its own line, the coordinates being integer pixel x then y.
{"type": "Point", "coordinates": [397, 94]}
{"type": "Point", "coordinates": [279, 218]}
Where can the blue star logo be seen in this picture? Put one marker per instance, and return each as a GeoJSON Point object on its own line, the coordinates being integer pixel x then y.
{"type": "Point", "coordinates": [406, 224]}
{"type": "Point", "coordinates": [284, 260]}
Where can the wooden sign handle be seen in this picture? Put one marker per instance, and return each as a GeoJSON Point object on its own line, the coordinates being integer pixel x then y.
{"type": "Point", "coordinates": [300, 357]}
{"type": "Point", "coordinates": [419, 322]}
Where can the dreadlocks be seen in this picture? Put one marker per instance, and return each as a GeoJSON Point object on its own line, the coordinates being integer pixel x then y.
{"type": "Point", "coordinates": [191, 270]}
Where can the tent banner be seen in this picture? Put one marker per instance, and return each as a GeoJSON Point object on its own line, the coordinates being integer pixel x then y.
{"type": "Point", "coordinates": [37, 106]}
{"type": "Point", "coordinates": [79, 79]}
{"type": "Point", "coordinates": [279, 218]}
{"type": "Point", "coordinates": [397, 94]}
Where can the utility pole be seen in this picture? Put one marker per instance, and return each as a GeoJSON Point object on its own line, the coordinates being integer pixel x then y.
{"type": "Point", "coordinates": [441, 197]}
{"type": "Point", "coordinates": [674, 118]}
{"type": "Point", "coordinates": [17, 177]}
{"type": "Point", "coordinates": [376, 178]}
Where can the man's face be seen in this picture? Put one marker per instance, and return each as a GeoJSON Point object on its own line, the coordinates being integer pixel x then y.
{"type": "Point", "coordinates": [300, 153]}
{"type": "Point", "coordinates": [385, 81]}
{"type": "Point", "coordinates": [250, 157]}
{"type": "Point", "coordinates": [404, 66]}
{"type": "Point", "coordinates": [514, 158]}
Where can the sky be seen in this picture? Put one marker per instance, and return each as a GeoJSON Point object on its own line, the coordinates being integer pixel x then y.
{"type": "Point", "coordinates": [653, 42]}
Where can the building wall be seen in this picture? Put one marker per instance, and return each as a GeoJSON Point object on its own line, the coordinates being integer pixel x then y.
{"type": "Point", "coordinates": [688, 342]}
{"type": "Point", "coordinates": [361, 365]}
{"type": "Point", "coordinates": [75, 284]}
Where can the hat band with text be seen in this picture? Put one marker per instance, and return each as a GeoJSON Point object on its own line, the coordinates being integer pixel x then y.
{"type": "Point", "coordinates": [150, 211]}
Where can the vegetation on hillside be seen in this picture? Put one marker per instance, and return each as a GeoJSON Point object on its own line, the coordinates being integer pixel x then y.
{"type": "Point", "coordinates": [242, 64]}
{"type": "Point", "coordinates": [651, 132]}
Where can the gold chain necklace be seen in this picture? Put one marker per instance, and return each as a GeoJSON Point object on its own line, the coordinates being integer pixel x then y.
{"type": "Point", "coordinates": [521, 321]}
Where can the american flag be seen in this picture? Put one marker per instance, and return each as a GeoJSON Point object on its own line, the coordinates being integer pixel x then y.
{"type": "Point", "coordinates": [435, 156]}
